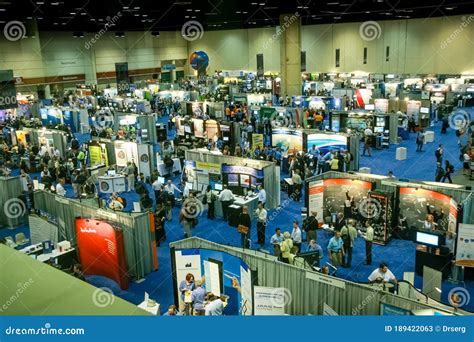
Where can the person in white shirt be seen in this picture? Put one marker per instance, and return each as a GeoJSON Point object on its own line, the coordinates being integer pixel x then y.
{"type": "Point", "coordinates": [43, 150]}
{"type": "Point", "coordinates": [262, 194]}
{"type": "Point", "coordinates": [215, 306]}
{"type": "Point", "coordinates": [369, 238]}
{"type": "Point", "coordinates": [186, 190]}
{"type": "Point", "coordinates": [382, 275]}
{"type": "Point", "coordinates": [276, 240]}
{"type": "Point", "coordinates": [296, 235]}
{"type": "Point", "coordinates": [261, 214]}
{"type": "Point", "coordinates": [60, 188]}
{"type": "Point", "coordinates": [367, 136]}
{"type": "Point", "coordinates": [226, 197]}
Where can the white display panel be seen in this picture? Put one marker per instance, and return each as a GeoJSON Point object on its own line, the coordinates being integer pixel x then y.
{"type": "Point", "coordinates": [428, 239]}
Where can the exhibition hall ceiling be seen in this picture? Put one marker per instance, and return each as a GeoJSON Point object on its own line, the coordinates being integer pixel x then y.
{"type": "Point", "coordinates": [167, 15]}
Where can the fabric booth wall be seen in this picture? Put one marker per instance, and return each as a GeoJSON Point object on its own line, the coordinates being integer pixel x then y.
{"type": "Point", "coordinates": [138, 237]}
{"type": "Point", "coordinates": [14, 211]}
{"type": "Point", "coordinates": [308, 296]}
{"type": "Point", "coordinates": [271, 172]}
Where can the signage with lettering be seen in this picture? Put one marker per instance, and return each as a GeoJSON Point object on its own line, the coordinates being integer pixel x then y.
{"type": "Point", "coordinates": [7, 90]}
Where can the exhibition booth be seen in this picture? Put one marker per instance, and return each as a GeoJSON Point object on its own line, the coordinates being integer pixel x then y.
{"type": "Point", "coordinates": [240, 175]}
{"type": "Point", "coordinates": [113, 244]}
{"type": "Point", "coordinates": [267, 287]}
{"type": "Point", "coordinates": [439, 218]}
{"type": "Point", "coordinates": [76, 119]}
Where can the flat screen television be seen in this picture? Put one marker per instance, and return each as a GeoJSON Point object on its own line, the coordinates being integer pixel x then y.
{"type": "Point", "coordinates": [428, 239]}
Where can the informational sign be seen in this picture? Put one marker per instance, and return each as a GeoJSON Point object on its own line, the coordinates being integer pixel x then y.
{"type": "Point", "coordinates": [144, 161]}
{"type": "Point", "coordinates": [168, 67]}
{"type": "Point", "coordinates": [7, 90]}
{"type": "Point", "coordinates": [381, 106]}
{"type": "Point", "coordinates": [316, 199]}
{"type": "Point", "coordinates": [413, 109]}
{"type": "Point", "coordinates": [287, 139]}
{"type": "Point", "coordinates": [101, 250]}
{"type": "Point", "coordinates": [198, 128]}
{"type": "Point", "coordinates": [123, 81]}
{"type": "Point", "coordinates": [213, 281]}
{"type": "Point", "coordinates": [392, 310]}
{"type": "Point", "coordinates": [465, 245]}
{"type": "Point", "coordinates": [329, 311]}
{"type": "Point", "coordinates": [325, 280]}
{"type": "Point", "coordinates": [326, 142]}
{"type": "Point", "coordinates": [257, 140]}
{"type": "Point", "coordinates": [95, 154]}
{"type": "Point", "coordinates": [246, 289]}
{"type": "Point", "coordinates": [269, 301]}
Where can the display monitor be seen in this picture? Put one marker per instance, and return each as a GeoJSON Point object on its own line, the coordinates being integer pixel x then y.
{"type": "Point", "coordinates": [424, 110]}
{"type": "Point", "coordinates": [427, 239]}
{"type": "Point", "coordinates": [187, 129]}
{"type": "Point", "coordinates": [111, 173]}
{"type": "Point", "coordinates": [218, 186]}
{"type": "Point", "coordinates": [225, 138]}
{"type": "Point", "coordinates": [378, 129]}
{"type": "Point", "coordinates": [369, 107]}
{"type": "Point", "coordinates": [161, 180]}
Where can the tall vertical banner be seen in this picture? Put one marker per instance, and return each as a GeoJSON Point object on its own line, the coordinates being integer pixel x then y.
{"type": "Point", "coordinates": [465, 245]}
{"type": "Point", "coordinates": [7, 90]}
{"type": "Point", "coordinates": [246, 288]}
{"type": "Point", "coordinates": [123, 80]}
{"type": "Point", "coordinates": [260, 68]}
{"type": "Point", "coordinates": [101, 250]}
{"type": "Point", "coordinates": [316, 199]}
{"type": "Point", "coordinates": [144, 161]}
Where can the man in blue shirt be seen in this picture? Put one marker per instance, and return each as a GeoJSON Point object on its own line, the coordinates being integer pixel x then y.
{"type": "Point", "coordinates": [197, 297]}
{"type": "Point", "coordinates": [314, 247]}
{"type": "Point", "coordinates": [336, 249]}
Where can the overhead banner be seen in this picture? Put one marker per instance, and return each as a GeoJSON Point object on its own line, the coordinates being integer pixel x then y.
{"type": "Point", "coordinates": [7, 90]}
{"type": "Point", "coordinates": [123, 81]}
{"type": "Point", "coordinates": [465, 245]}
{"type": "Point", "coordinates": [269, 301]}
{"type": "Point", "coordinates": [101, 250]}
{"type": "Point", "coordinates": [260, 68]}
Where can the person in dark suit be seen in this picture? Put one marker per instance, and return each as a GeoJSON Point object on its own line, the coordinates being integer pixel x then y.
{"type": "Point", "coordinates": [339, 222]}
{"type": "Point", "coordinates": [311, 226]}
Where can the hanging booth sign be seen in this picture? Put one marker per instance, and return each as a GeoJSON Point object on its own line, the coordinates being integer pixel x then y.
{"type": "Point", "coordinates": [7, 90]}
{"type": "Point", "coordinates": [269, 301]}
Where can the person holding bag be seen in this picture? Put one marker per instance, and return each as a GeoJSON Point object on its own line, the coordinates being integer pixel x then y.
{"type": "Point", "coordinates": [210, 199]}
{"type": "Point", "coordinates": [245, 223]}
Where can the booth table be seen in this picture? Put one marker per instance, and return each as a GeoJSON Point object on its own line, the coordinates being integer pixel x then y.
{"type": "Point", "coordinates": [154, 310]}
{"type": "Point", "coordinates": [162, 167]}
{"type": "Point", "coordinates": [251, 203]}
{"type": "Point", "coordinates": [429, 137]}
{"type": "Point", "coordinates": [110, 184]}
{"type": "Point", "coordinates": [65, 258]}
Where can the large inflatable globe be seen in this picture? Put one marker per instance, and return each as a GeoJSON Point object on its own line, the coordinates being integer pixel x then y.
{"type": "Point", "coordinates": [199, 60]}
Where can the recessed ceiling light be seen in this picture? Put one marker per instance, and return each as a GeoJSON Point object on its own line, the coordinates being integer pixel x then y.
{"type": "Point", "coordinates": [197, 10]}
{"type": "Point", "coordinates": [138, 7]}
{"type": "Point", "coordinates": [449, 8]}
{"type": "Point", "coordinates": [189, 10]}
{"type": "Point", "coordinates": [125, 7]}
{"type": "Point", "coordinates": [136, 15]}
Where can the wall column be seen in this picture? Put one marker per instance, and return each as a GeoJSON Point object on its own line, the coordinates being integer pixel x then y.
{"type": "Point", "coordinates": [290, 53]}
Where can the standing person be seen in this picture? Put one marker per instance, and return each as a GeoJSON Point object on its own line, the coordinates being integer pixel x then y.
{"type": "Point", "coordinates": [336, 249]}
{"type": "Point", "coordinates": [185, 288]}
{"type": "Point", "coordinates": [198, 296]}
{"type": "Point", "coordinates": [210, 200]}
{"type": "Point", "coordinates": [262, 194]}
{"type": "Point", "coordinates": [157, 186]}
{"type": "Point", "coordinates": [367, 137]}
{"type": "Point", "coordinates": [226, 197]}
{"type": "Point", "coordinates": [261, 214]}
{"type": "Point", "coordinates": [276, 240]}
{"type": "Point", "coordinates": [348, 234]}
{"type": "Point", "coordinates": [187, 219]}
{"type": "Point", "coordinates": [449, 169]}
{"type": "Point", "coordinates": [160, 218]}
{"type": "Point", "coordinates": [420, 140]}
{"type": "Point", "coordinates": [296, 235]}
{"type": "Point", "coordinates": [60, 187]}
{"type": "Point", "coordinates": [245, 221]}
{"type": "Point", "coordinates": [311, 226]}
{"type": "Point", "coordinates": [439, 172]}
{"type": "Point", "coordinates": [369, 238]}
{"type": "Point", "coordinates": [334, 163]}
{"type": "Point", "coordinates": [297, 184]}
{"type": "Point", "coordinates": [439, 153]}
{"type": "Point", "coordinates": [130, 173]}
{"type": "Point", "coordinates": [285, 247]}
{"type": "Point", "coordinates": [25, 180]}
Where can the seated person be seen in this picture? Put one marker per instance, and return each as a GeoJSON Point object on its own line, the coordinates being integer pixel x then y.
{"type": "Point", "coordinates": [382, 275]}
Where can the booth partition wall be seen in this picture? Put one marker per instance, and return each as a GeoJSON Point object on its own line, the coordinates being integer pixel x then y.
{"type": "Point", "coordinates": [140, 251]}
{"type": "Point", "coordinates": [307, 292]}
